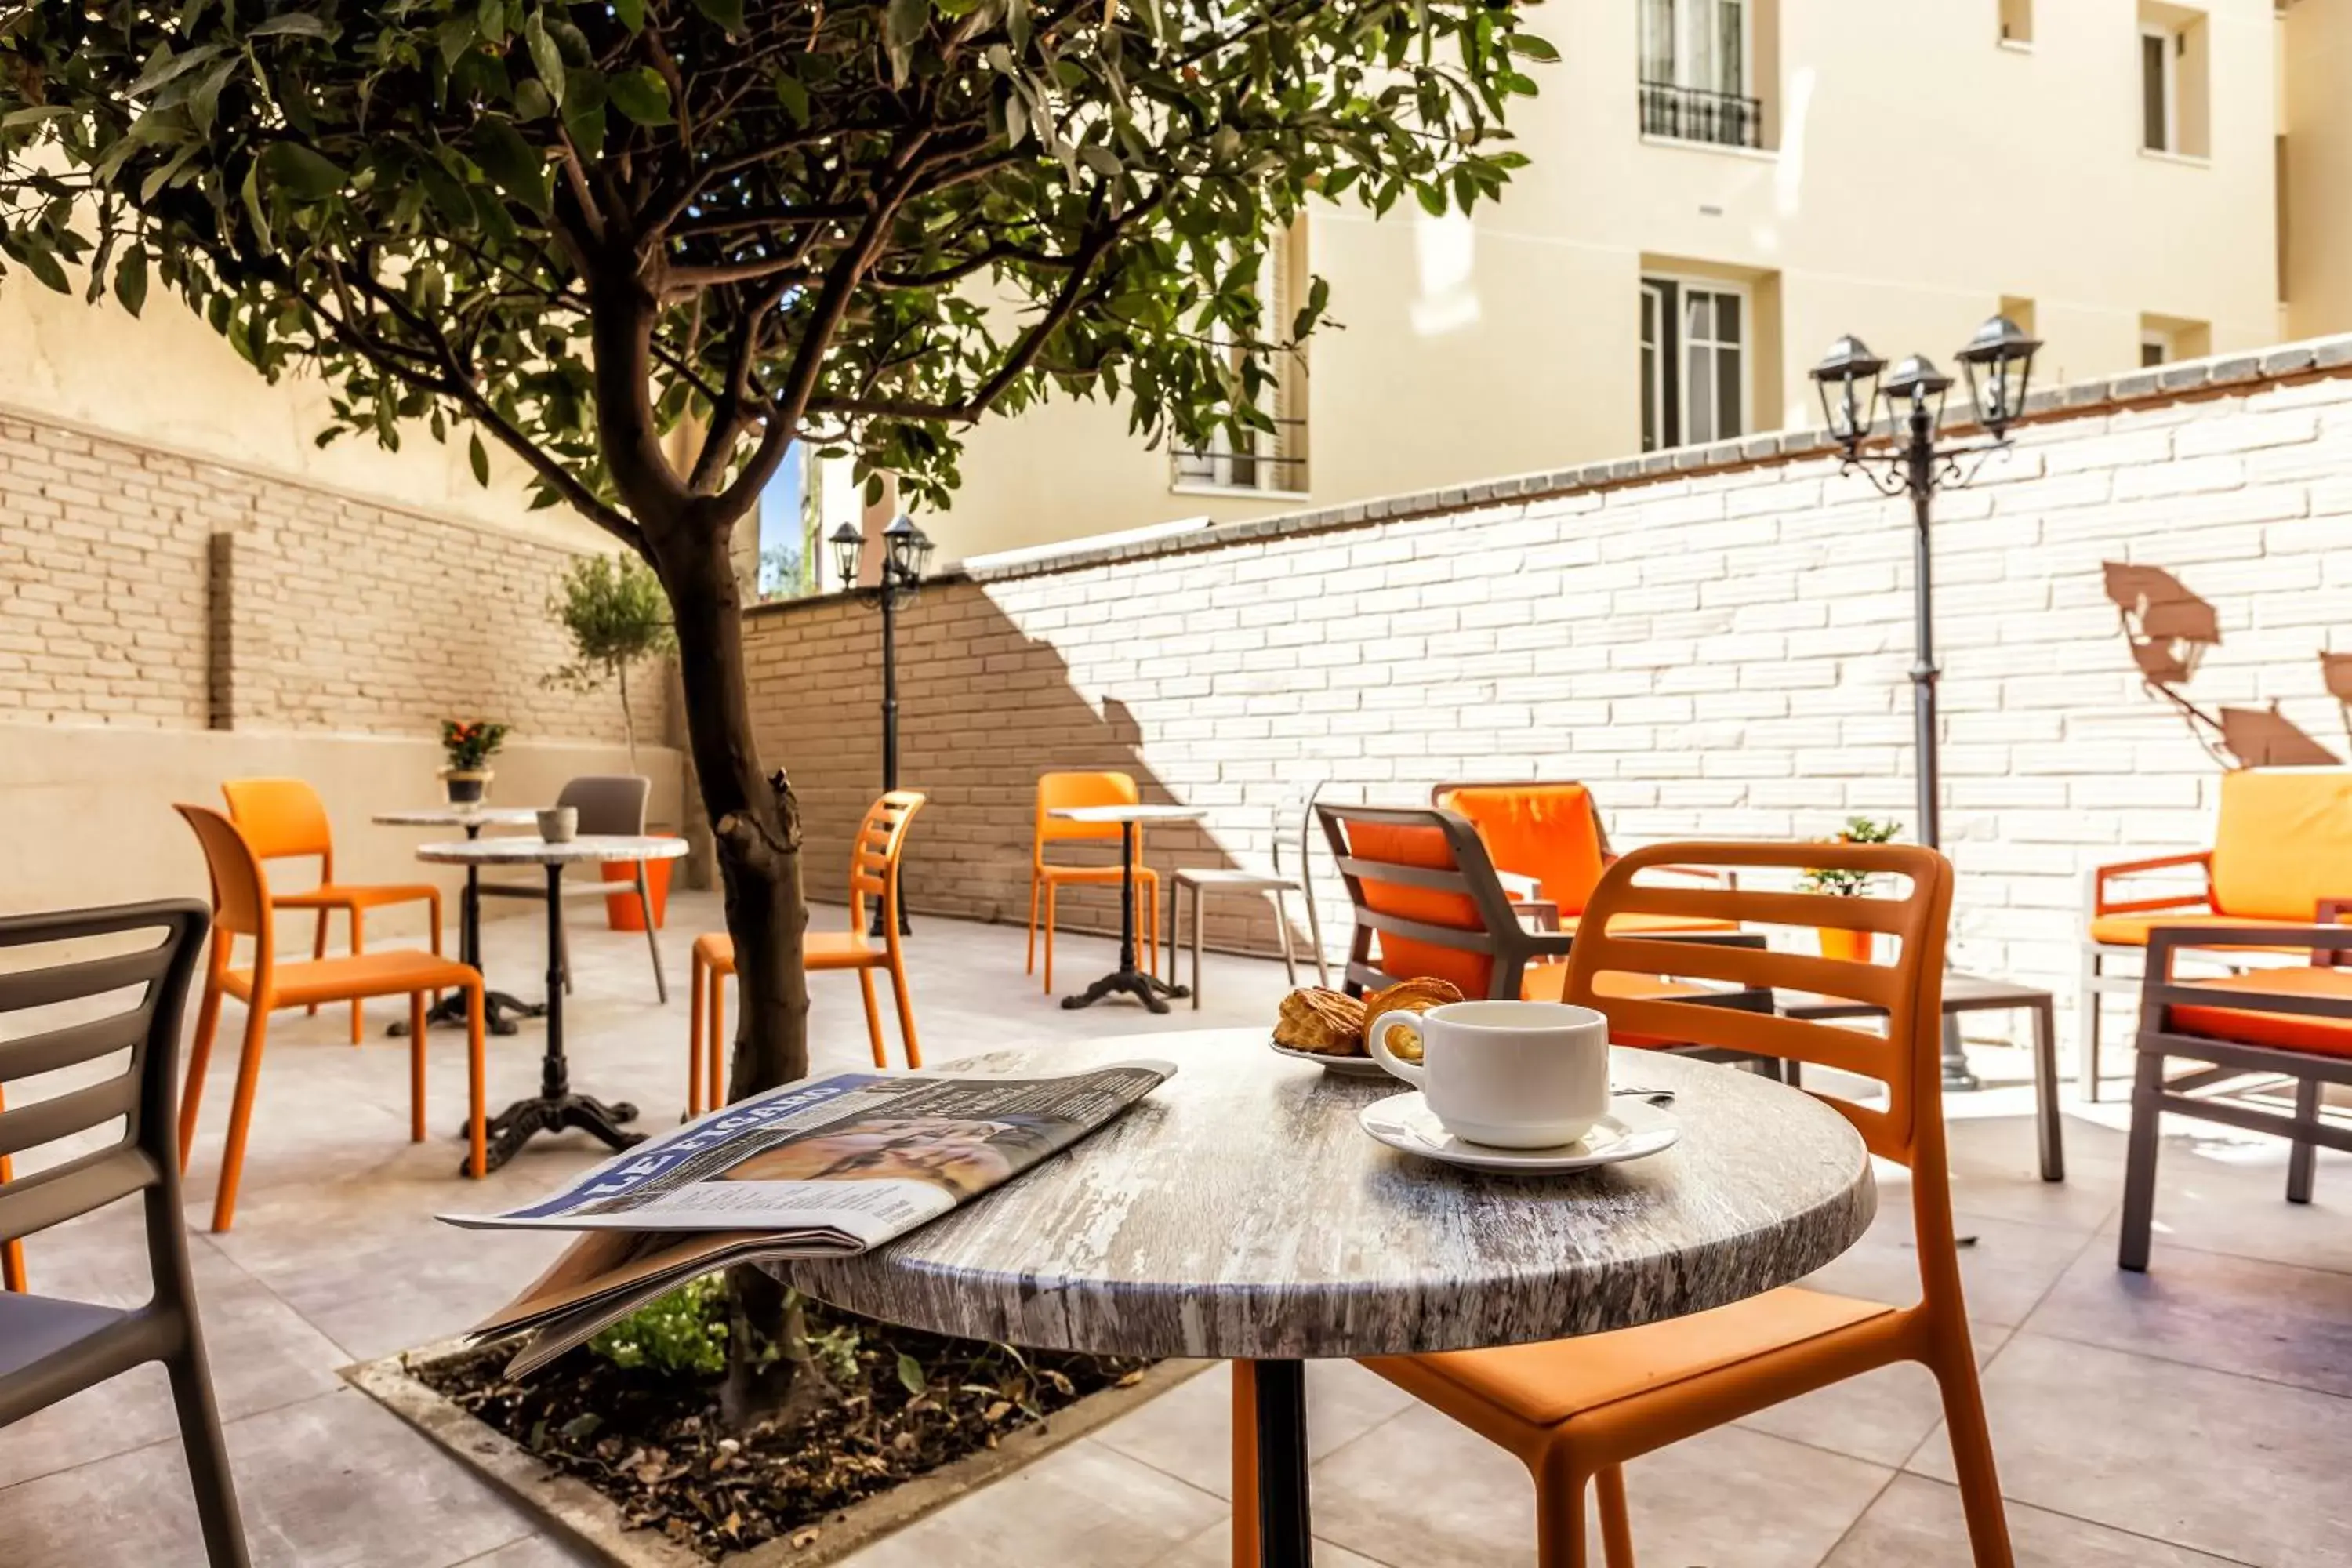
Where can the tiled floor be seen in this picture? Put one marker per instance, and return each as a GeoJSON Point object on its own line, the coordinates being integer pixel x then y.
{"type": "Point", "coordinates": [2199, 1415]}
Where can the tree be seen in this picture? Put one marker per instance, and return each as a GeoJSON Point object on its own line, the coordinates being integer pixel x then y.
{"type": "Point", "coordinates": [647, 246]}
{"type": "Point", "coordinates": [617, 616]}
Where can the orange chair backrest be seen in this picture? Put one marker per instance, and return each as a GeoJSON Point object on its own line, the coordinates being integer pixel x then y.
{"type": "Point", "coordinates": [280, 817]}
{"type": "Point", "coordinates": [240, 890]}
{"type": "Point", "coordinates": [1431, 884]}
{"type": "Point", "coordinates": [1548, 831]}
{"type": "Point", "coordinates": [2282, 842]}
{"type": "Point", "coordinates": [1057, 791]}
{"type": "Point", "coordinates": [874, 857]}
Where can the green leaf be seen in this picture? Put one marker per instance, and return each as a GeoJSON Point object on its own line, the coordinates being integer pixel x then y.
{"type": "Point", "coordinates": [250, 190]}
{"type": "Point", "coordinates": [545, 57]}
{"type": "Point", "coordinates": [478, 457]}
{"type": "Point", "coordinates": [641, 94]}
{"type": "Point", "coordinates": [12, 119]}
{"type": "Point", "coordinates": [1535, 49]}
{"type": "Point", "coordinates": [632, 14]}
{"type": "Point", "coordinates": [1431, 198]}
{"type": "Point", "coordinates": [203, 101]}
{"type": "Point", "coordinates": [166, 66]}
{"type": "Point", "coordinates": [727, 14]}
{"type": "Point", "coordinates": [911, 1375]}
{"type": "Point", "coordinates": [131, 278]}
{"type": "Point", "coordinates": [301, 24]}
{"type": "Point", "coordinates": [43, 264]}
{"type": "Point", "coordinates": [793, 94]}
{"type": "Point", "coordinates": [511, 162]}
{"type": "Point", "coordinates": [302, 173]}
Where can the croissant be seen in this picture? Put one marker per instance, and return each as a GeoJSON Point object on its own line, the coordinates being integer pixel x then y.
{"type": "Point", "coordinates": [1323, 1022]}
{"type": "Point", "coordinates": [1407, 996]}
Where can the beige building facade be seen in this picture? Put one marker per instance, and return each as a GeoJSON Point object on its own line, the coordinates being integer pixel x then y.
{"type": "Point", "coordinates": [1721, 187]}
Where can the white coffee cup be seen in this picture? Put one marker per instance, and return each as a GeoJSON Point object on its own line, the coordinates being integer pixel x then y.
{"type": "Point", "coordinates": [558, 823]}
{"type": "Point", "coordinates": [1516, 1075]}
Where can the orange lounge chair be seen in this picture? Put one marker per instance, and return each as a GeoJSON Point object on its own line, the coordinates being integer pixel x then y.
{"type": "Point", "coordinates": [873, 869]}
{"type": "Point", "coordinates": [241, 907]}
{"type": "Point", "coordinates": [1550, 835]}
{"type": "Point", "coordinates": [284, 819]}
{"type": "Point", "coordinates": [2281, 842]}
{"type": "Point", "coordinates": [1575, 1411]}
{"type": "Point", "coordinates": [1062, 790]}
{"type": "Point", "coordinates": [2293, 1023]}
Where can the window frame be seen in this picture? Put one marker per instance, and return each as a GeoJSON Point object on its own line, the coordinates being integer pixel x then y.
{"type": "Point", "coordinates": [2162, 341]}
{"type": "Point", "coordinates": [2168, 42]}
{"type": "Point", "coordinates": [1670, 388]}
{"type": "Point", "coordinates": [1283, 471]}
{"type": "Point", "coordinates": [1692, 20]}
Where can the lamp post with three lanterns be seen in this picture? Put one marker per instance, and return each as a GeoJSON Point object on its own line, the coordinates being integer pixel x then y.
{"type": "Point", "coordinates": [906, 553]}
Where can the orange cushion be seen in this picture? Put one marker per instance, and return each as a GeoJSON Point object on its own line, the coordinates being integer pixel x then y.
{"type": "Point", "coordinates": [1471, 972]}
{"type": "Point", "coordinates": [2286, 1031]}
{"type": "Point", "coordinates": [2282, 842]}
{"type": "Point", "coordinates": [1551, 832]}
{"type": "Point", "coordinates": [1544, 1384]}
{"type": "Point", "coordinates": [2131, 931]}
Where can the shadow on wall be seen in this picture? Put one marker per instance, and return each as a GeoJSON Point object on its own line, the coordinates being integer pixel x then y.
{"type": "Point", "coordinates": [983, 709]}
{"type": "Point", "coordinates": [2170, 629]}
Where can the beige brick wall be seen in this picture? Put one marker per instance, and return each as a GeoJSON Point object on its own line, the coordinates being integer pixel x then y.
{"type": "Point", "coordinates": [1721, 647]}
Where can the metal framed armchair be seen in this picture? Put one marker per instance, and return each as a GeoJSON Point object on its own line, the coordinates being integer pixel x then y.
{"type": "Point", "coordinates": [2292, 1022]}
{"type": "Point", "coordinates": [1550, 847]}
{"type": "Point", "coordinates": [51, 1348]}
{"type": "Point", "coordinates": [2282, 843]}
{"type": "Point", "coordinates": [607, 803]}
{"type": "Point", "coordinates": [1201, 880]}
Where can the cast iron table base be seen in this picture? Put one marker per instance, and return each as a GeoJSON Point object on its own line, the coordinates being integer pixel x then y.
{"type": "Point", "coordinates": [1150, 990]}
{"type": "Point", "coordinates": [499, 1009]}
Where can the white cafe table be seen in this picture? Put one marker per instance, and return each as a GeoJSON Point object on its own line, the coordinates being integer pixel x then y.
{"type": "Point", "coordinates": [1240, 1212]}
{"type": "Point", "coordinates": [556, 1106]}
{"type": "Point", "coordinates": [1149, 989]}
{"type": "Point", "coordinates": [499, 1008]}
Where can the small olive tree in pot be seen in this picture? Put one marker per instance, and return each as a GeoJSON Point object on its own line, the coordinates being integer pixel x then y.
{"type": "Point", "coordinates": [614, 609]}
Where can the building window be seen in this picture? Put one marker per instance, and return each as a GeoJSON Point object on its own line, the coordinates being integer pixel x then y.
{"type": "Point", "coordinates": [1697, 70]}
{"type": "Point", "coordinates": [2017, 22]}
{"type": "Point", "coordinates": [2158, 90]}
{"type": "Point", "coordinates": [1695, 352]}
{"type": "Point", "coordinates": [2164, 339]}
{"type": "Point", "coordinates": [2155, 348]}
{"type": "Point", "coordinates": [1264, 460]}
{"type": "Point", "coordinates": [2174, 75]}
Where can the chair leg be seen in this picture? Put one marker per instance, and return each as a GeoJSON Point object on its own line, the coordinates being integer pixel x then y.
{"type": "Point", "coordinates": [2139, 1164]}
{"type": "Point", "coordinates": [1176, 934]}
{"type": "Point", "coordinates": [477, 1093]}
{"type": "Point", "coordinates": [432, 930]}
{"type": "Point", "coordinates": [1196, 949]}
{"type": "Point", "coordinates": [906, 1014]}
{"type": "Point", "coordinates": [2086, 1068]}
{"type": "Point", "coordinates": [12, 1251]}
{"type": "Point", "coordinates": [201, 1441]}
{"type": "Point", "coordinates": [719, 1043]}
{"type": "Point", "coordinates": [200, 1055]}
{"type": "Point", "coordinates": [1972, 1462]}
{"type": "Point", "coordinates": [1030, 966]}
{"type": "Point", "coordinates": [358, 943]}
{"type": "Point", "coordinates": [1616, 1524]}
{"type": "Point", "coordinates": [1282, 929]}
{"type": "Point", "coordinates": [1049, 939]}
{"type": "Point", "coordinates": [1559, 1517]}
{"type": "Point", "coordinates": [873, 1017]}
{"type": "Point", "coordinates": [417, 1066]}
{"type": "Point", "coordinates": [2302, 1160]}
{"type": "Point", "coordinates": [1245, 1438]}
{"type": "Point", "coordinates": [240, 1115]}
{"type": "Point", "coordinates": [653, 937]}
{"type": "Point", "coordinates": [2050, 1131]}
{"type": "Point", "coordinates": [317, 951]}
{"type": "Point", "coordinates": [697, 977]}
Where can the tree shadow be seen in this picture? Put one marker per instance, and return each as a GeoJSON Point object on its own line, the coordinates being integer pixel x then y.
{"type": "Point", "coordinates": [2170, 629]}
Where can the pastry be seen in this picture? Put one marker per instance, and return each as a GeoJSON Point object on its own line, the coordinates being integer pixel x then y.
{"type": "Point", "coordinates": [1323, 1022]}
{"type": "Point", "coordinates": [1407, 996]}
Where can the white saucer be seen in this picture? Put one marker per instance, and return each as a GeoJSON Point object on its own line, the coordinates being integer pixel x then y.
{"type": "Point", "coordinates": [1630, 1131]}
{"type": "Point", "coordinates": [1342, 1066]}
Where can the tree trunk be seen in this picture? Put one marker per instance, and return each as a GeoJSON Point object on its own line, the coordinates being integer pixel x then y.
{"type": "Point", "coordinates": [628, 720]}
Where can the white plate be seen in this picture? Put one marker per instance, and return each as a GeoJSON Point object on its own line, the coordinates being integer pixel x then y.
{"type": "Point", "coordinates": [1343, 1067]}
{"type": "Point", "coordinates": [1630, 1131]}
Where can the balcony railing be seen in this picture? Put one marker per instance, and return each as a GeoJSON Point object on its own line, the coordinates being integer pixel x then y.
{"type": "Point", "coordinates": [1696, 114]}
{"type": "Point", "coordinates": [1281, 467]}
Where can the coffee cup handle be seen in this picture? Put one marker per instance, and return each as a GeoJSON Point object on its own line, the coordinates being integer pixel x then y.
{"type": "Point", "coordinates": [1376, 1039]}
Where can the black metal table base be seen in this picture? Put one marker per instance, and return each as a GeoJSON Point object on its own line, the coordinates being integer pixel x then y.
{"type": "Point", "coordinates": [500, 1009]}
{"type": "Point", "coordinates": [511, 1129]}
{"type": "Point", "coordinates": [1147, 989]}
{"type": "Point", "coordinates": [1285, 1537]}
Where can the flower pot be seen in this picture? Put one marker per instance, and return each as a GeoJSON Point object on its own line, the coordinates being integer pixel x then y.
{"type": "Point", "coordinates": [621, 911]}
{"type": "Point", "coordinates": [466, 787]}
{"type": "Point", "coordinates": [1854, 946]}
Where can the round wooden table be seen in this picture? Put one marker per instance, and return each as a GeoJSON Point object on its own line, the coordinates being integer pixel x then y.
{"type": "Point", "coordinates": [556, 1106]}
{"type": "Point", "coordinates": [499, 1009]}
{"type": "Point", "coordinates": [1240, 1212]}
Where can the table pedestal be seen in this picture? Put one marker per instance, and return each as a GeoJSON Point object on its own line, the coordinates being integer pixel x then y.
{"type": "Point", "coordinates": [1285, 1536]}
{"type": "Point", "coordinates": [555, 1107]}
{"type": "Point", "coordinates": [499, 1009]}
{"type": "Point", "coordinates": [1145, 988]}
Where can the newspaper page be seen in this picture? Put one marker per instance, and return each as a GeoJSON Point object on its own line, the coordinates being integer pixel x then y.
{"type": "Point", "coordinates": [842, 1164]}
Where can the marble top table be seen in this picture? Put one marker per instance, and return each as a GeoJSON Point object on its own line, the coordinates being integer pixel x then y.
{"type": "Point", "coordinates": [499, 1008]}
{"type": "Point", "coordinates": [1240, 1212]}
{"type": "Point", "coordinates": [556, 1106]}
{"type": "Point", "coordinates": [1149, 989]}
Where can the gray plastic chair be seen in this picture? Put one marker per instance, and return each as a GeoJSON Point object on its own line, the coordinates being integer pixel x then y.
{"type": "Point", "coordinates": [49, 1347]}
{"type": "Point", "coordinates": [607, 803]}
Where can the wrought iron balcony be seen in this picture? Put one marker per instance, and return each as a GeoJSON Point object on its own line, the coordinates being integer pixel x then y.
{"type": "Point", "coordinates": [1697, 114]}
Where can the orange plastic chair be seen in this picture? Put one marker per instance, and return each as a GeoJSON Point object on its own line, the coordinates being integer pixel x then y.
{"type": "Point", "coordinates": [241, 907]}
{"type": "Point", "coordinates": [1551, 834]}
{"type": "Point", "coordinates": [873, 869]}
{"type": "Point", "coordinates": [12, 1251]}
{"type": "Point", "coordinates": [284, 819]}
{"type": "Point", "coordinates": [1061, 791]}
{"type": "Point", "coordinates": [1574, 1411]}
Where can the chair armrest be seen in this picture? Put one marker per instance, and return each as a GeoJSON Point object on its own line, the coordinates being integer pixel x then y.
{"type": "Point", "coordinates": [2332, 912]}
{"type": "Point", "coordinates": [2100, 876]}
{"type": "Point", "coordinates": [1519, 885]}
{"type": "Point", "coordinates": [1540, 914]}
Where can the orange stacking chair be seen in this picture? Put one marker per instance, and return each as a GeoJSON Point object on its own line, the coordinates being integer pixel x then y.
{"type": "Point", "coordinates": [284, 819]}
{"type": "Point", "coordinates": [241, 907]}
{"type": "Point", "coordinates": [1574, 1411]}
{"type": "Point", "coordinates": [873, 869]}
{"type": "Point", "coordinates": [2281, 842]}
{"type": "Point", "coordinates": [12, 1251]}
{"type": "Point", "coordinates": [1058, 791]}
{"type": "Point", "coordinates": [1550, 835]}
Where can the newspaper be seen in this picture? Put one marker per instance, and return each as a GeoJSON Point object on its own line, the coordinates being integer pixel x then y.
{"type": "Point", "coordinates": [821, 1169]}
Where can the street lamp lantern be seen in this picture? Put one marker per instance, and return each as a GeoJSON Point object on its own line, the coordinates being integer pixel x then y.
{"type": "Point", "coordinates": [1998, 363]}
{"type": "Point", "coordinates": [849, 544]}
{"type": "Point", "coordinates": [1847, 380]}
{"type": "Point", "coordinates": [909, 549]}
{"type": "Point", "coordinates": [1916, 387]}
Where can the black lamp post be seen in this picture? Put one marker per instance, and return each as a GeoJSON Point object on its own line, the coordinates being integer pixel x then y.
{"type": "Point", "coordinates": [906, 552]}
{"type": "Point", "coordinates": [1998, 362]}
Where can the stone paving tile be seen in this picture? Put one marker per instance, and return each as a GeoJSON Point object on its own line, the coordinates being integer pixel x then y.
{"type": "Point", "coordinates": [1082, 1504]}
{"type": "Point", "coordinates": [1917, 1523]}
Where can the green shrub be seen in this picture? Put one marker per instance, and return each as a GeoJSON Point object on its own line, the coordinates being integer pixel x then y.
{"type": "Point", "coordinates": [683, 1333]}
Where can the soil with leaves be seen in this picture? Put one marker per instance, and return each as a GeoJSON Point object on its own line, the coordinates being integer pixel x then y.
{"type": "Point", "coordinates": [636, 1415]}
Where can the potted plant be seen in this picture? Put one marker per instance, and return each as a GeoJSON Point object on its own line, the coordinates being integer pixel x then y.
{"type": "Point", "coordinates": [614, 611]}
{"type": "Point", "coordinates": [470, 743]}
{"type": "Point", "coordinates": [1836, 943]}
